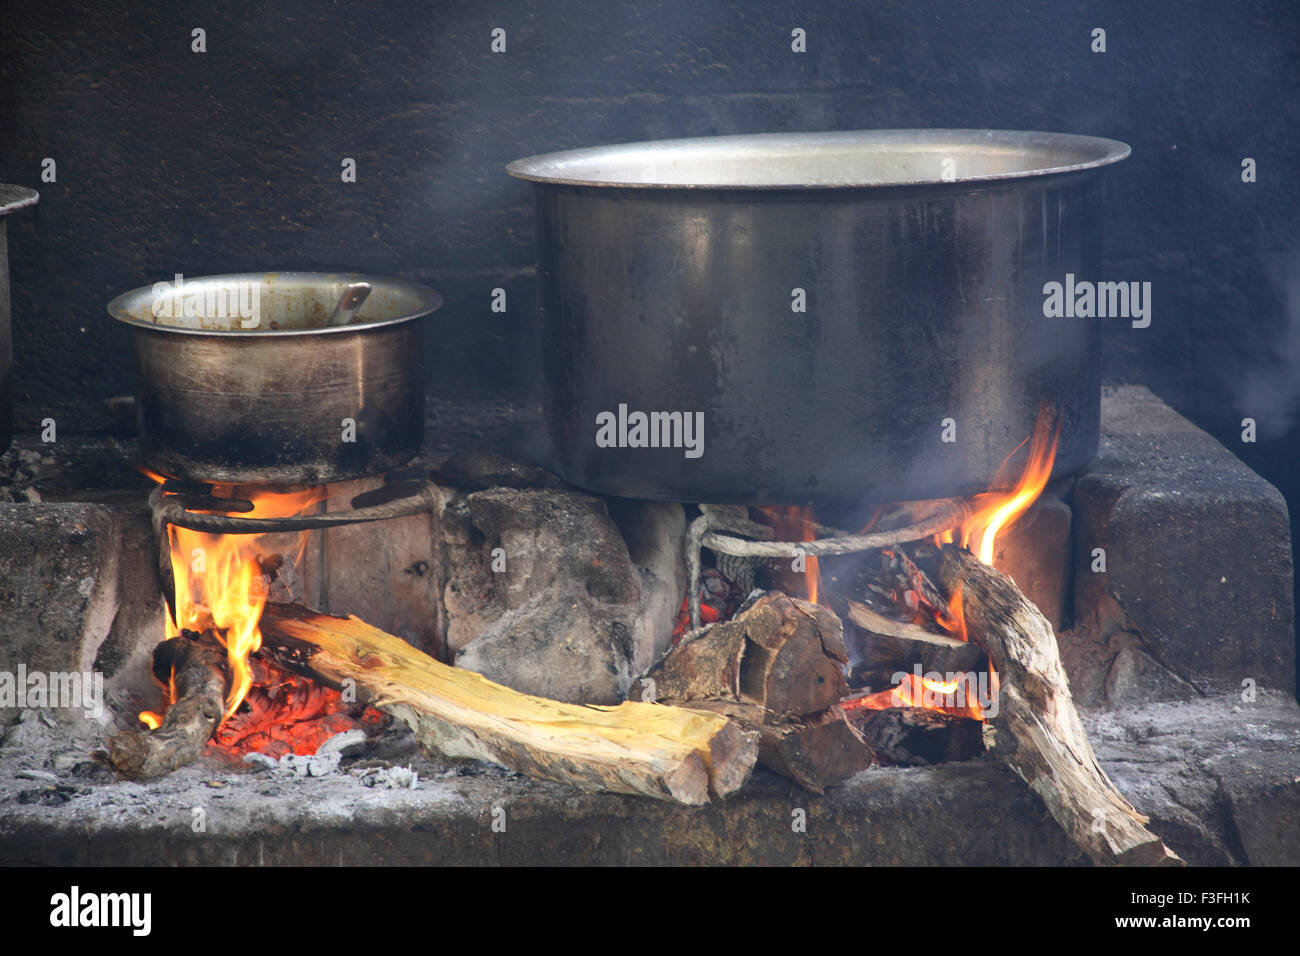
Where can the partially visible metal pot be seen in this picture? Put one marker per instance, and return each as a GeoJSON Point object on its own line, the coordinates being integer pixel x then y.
{"type": "Point", "coordinates": [11, 198]}
{"type": "Point", "coordinates": [277, 396]}
{"type": "Point", "coordinates": [671, 277]}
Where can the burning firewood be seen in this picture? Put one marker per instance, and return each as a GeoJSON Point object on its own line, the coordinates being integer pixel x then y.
{"type": "Point", "coordinates": [893, 645]}
{"type": "Point", "coordinates": [636, 748]}
{"type": "Point", "coordinates": [1051, 750]}
{"type": "Point", "coordinates": [197, 669]}
{"type": "Point", "coordinates": [919, 736]}
{"type": "Point", "coordinates": [777, 667]}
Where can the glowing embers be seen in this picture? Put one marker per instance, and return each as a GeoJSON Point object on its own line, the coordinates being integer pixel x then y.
{"type": "Point", "coordinates": [282, 712]}
{"type": "Point", "coordinates": [880, 581]}
{"type": "Point", "coordinates": [221, 579]}
{"type": "Point", "coordinates": [221, 587]}
{"type": "Point", "coordinates": [965, 694]}
{"type": "Point", "coordinates": [900, 590]}
{"type": "Point", "coordinates": [287, 713]}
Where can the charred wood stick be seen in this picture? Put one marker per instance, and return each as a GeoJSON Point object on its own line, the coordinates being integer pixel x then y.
{"type": "Point", "coordinates": [635, 748]}
{"type": "Point", "coordinates": [1051, 750]}
{"type": "Point", "coordinates": [886, 643]}
{"type": "Point", "coordinates": [200, 680]}
{"type": "Point", "coordinates": [918, 736]}
{"type": "Point", "coordinates": [919, 580]}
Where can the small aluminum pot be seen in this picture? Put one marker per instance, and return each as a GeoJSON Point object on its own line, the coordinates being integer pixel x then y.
{"type": "Point", "coordinates": [241, 380]}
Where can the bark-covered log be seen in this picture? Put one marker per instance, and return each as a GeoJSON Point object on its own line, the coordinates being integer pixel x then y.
{"type": "Point", "coordinates": [200, 681]}
{"type": "Point", "coordinates": [777, 668]}
{"type": "Point", "coordinates": [636, 748]}
{"type": "Point", "coordinates": [816, 751]}
{"type": "Point", "coordinates": [1051, 750]}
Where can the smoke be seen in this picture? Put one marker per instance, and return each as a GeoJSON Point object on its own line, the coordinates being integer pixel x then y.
{"type": "Point", "coordinates": [1269, 392]}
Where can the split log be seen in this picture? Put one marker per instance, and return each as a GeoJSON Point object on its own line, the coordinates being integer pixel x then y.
{"type": "Point", "coordinates": [777, 668]}
{"type": "Point", "coordinates": [815, 751]}
{"type": "Point", "coordinates": [1051, 750]}
{"type": "Point", "coordinates": [781, 653]}
{"type": "Point", "coordinates": [919, 736]}
{"type": "Point", "coordinates": [200, 681]}
{"type": "Point", "coordinates": [634, 748]}
{"type": "Point", "coordinates": [890, 645]}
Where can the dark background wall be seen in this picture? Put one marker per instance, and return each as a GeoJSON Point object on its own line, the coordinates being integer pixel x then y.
{"type": "Point", "coordinates": [174, 161]}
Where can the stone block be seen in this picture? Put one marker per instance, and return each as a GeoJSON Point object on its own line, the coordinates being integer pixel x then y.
{"type": "Point", "coordinates": [1196, 547]}
{"type": "Point", "coordinates": [58, 599]}
{"type": "Point", "coordinates": [562, 620]}
{"type": "Point", "coordinates": [655, 533]}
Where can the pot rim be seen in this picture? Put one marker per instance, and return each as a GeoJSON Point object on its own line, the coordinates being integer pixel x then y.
{"type": "Point", "coordinates": [580, 167]}
{"type": "Point", "coordinates": [14, 197]}
{"type": "Point", "coordinates": [129, 307]}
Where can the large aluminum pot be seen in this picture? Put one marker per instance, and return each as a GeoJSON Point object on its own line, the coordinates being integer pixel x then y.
{"type": "Point", "coordinates": [11, 198]}
{"type": "Point", "coordinates": [277, 397]}
{"type": "Point", "coordinates": [672, 275]}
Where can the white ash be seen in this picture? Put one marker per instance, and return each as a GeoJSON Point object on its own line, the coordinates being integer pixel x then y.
{"type": "Point", "coordinates": [235, 796]}
{"type": "Point", "coordinates": [41, 775]}
{"type": "Point", "coordinates": [324, 762]}
{"type": "Point", "coordinates": [388, 778]}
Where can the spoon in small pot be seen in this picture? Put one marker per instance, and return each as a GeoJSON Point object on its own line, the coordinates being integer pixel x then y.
{"type": "Point", "coordinates": [353, 296]}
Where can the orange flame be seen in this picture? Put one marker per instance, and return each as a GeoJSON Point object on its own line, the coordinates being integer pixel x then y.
{"type": "Point", "coordinates": [949, 696]}
{"type": "Point", "coordinates": [798, 524]}
{"type": "Point", "coordinates": [954, 622]}
{"type": "Point", "coordinates": [993, 512]}
{"type": "Point", "coordinates": [997, 510]}
{"type": "Point", "coordinates": [220, 585]}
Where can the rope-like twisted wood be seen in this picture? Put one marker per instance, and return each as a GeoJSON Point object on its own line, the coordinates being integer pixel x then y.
{"type": "Point", "coordinates": [703, 532]}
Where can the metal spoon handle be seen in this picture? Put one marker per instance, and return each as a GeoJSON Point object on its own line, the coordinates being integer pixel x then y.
{"type": "Point", "coordinates": [353, 296]}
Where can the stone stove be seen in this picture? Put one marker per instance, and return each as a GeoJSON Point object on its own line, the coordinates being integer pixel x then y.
{"type": "Point", "coordinates": [1181, 653]}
